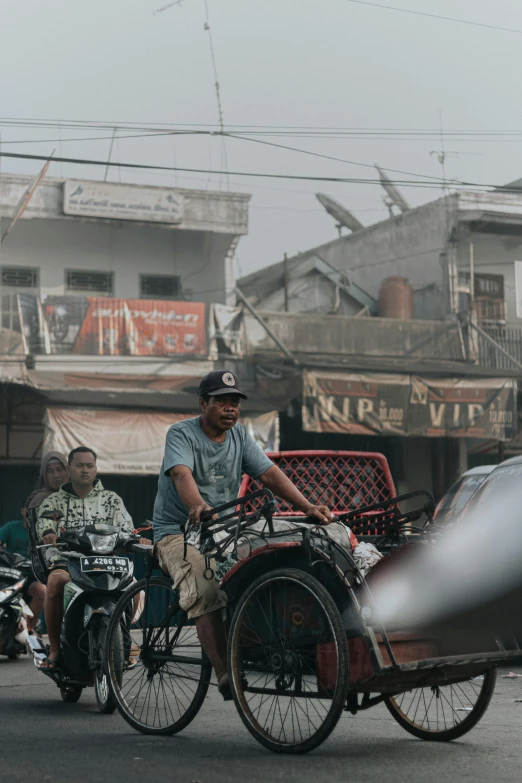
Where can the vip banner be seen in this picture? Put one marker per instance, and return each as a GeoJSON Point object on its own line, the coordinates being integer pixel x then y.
{"type": "Point", "coordinates": [132, 442]}
{"type": "Point", "coordinates": [375, 404]}
{"type": "Point", "coordinates": [114, 327]}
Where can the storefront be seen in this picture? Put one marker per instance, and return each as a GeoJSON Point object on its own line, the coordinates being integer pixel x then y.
{"type": "Point", "coordinates": [423, 425]}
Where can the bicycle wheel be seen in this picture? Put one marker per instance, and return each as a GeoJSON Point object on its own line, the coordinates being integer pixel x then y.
{"type": "Point", "coordinates": [166, 674]}
{"type": "Point", "coordinates": [442, 713]}
{"type": "Point", "coordinates": [288, 661]}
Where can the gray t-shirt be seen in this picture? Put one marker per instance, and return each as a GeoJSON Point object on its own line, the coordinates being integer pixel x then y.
{"type": "Point", "coordinates": [217, 469]}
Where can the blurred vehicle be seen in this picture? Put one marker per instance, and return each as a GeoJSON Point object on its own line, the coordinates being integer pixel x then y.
{"type": "Point", "coordinates": [13, 609]}
{"type": "Point", "coordinates": [457, 496]}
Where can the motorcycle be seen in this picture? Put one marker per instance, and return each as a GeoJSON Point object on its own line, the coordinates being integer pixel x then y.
{"type": "Point", "coordinates": [13, 608]}
{"type": "Point", "coordinates": [98, 578]}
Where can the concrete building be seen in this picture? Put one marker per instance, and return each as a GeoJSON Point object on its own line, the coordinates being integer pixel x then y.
{"type": "Point", "coordinates": [76, 242]}
{"type": "Point", "coordinates": [128, 241]}
{"type": "Point", "coordinates": [461, 336]}
{"type": "Point", "coordinates": [436, 247]}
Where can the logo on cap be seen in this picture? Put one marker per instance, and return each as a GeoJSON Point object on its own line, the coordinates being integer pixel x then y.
{"type": "Point", "coordinates": [228, 379]}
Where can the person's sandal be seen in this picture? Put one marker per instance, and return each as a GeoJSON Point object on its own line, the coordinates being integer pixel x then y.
{"type": "Point", "coordinates": [225, 689]}
{"type": "Point", "coordinates": [50, 664]}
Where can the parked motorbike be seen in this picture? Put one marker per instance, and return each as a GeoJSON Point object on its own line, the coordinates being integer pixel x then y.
{"type": "Point", "coordinates": [13, 609]}
{"type": "Point", "coordinates": [98, 578]}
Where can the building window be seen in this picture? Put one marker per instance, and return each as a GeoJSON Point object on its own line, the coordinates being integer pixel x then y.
{"type": "Point", "coordinates": [489, 298]}
{"type": "Point", "coordinates": [84, 283]}
{"type": "Point", "coordinates": [16, 280]}
{"type": "Point", "coordinates": [159, 286]}
{"type": "Point", "coordinates": [20, 276]}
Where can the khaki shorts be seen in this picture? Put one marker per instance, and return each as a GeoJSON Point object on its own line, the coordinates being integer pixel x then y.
{"type": "Point", "coordinates": [197, 595]}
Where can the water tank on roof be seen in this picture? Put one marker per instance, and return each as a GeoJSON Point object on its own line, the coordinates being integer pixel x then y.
{"type": "Point", "coordinates": [396, 299]}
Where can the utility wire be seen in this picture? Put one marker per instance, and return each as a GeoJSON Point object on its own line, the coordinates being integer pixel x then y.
{"type": "Point", "coordinates": [108, 125]}
{"type": "Point", "coordinates": [264, 175]}
{"type": "Point", "coordinates": [436, 16]}
{"type": "Point", "coordinates": [232, 136]}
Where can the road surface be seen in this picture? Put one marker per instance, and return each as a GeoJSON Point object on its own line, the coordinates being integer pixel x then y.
{"type": "Point", "coordinates": [44, 739]}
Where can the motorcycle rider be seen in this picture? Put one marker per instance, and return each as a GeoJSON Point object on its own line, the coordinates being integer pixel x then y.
{"type": "Point", "coordinates": [83, 501]}
{"type": "Point", "coordinates": [15, 539]}
{"type": "Point", "coordinates": [204, 461]}
{"type": "Point", "coordinates": [53, 473]}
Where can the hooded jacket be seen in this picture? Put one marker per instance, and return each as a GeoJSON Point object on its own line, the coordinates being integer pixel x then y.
{"type": "Point", "coordinates": [42, 489]}
{"type": "Point", "coordinates": [100, 507]}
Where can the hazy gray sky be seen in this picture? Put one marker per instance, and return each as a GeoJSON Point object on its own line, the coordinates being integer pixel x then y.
{"type": "Point", "coordinates": [333, 64]}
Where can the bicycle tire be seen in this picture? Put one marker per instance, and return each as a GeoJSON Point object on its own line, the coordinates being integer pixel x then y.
{"type": "Point", "coordinates": [118, 623]}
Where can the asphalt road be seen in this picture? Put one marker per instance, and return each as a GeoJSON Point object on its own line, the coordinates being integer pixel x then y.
{"type": "Point", "coordinates": [44, 739]}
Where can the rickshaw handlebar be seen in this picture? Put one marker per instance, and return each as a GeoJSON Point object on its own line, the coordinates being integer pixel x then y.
{"type": "Point", "coordinates": [206, 518]}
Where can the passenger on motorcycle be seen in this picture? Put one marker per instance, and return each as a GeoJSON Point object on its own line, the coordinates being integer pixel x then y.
{"type": "Point", "coordinates": [53, 473]}
{"type": "Point", "coordinates": [204, 461]}
{"type": "Point", "coordinates": [83, 501]}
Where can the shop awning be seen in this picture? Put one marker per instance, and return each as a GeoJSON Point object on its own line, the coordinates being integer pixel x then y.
{"type": "Point", "coordinates": [406, 405]}
{"type": "Point", "coordinates": [132, 442]}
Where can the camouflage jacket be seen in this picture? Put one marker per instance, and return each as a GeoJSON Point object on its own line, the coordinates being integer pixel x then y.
{"type": "Point", "coordinates": [100, 507]}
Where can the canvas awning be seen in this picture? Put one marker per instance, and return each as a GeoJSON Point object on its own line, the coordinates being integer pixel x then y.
{"type": "Point", "coordinates": [405, 405]}
{"type": "Point", "coordinates": [132, 442]}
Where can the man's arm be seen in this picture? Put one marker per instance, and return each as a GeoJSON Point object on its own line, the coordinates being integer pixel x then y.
{"type": "Point", "coordinates": [275, 480]}
{"type": "Point", "coordinates": [188, 492]}
{"type": "Point", "coordinates": [121, 517]}
{"type": "Point", "coordinates": [123, 520]}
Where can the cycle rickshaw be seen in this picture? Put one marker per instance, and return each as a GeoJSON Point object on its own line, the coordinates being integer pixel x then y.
{"type": "Point", "coordinates": [304, 641]}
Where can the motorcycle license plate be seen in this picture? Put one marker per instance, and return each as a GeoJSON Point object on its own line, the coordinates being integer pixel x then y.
{"type": "Point", "coordinates": [100, 563]}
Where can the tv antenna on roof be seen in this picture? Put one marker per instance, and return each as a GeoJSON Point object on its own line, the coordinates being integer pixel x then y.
{"type": "Point", "coordinates": [394, 196]}
{"type": "Point", "coordinates": [339, 213]}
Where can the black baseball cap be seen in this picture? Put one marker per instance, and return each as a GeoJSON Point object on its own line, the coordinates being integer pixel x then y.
{"type": "Point", "coordinates": [220, 382]}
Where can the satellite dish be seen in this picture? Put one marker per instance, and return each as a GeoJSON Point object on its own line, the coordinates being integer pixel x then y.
{"type": "Point", "coordinates": [393, 194]}
{"type": "Point", "coordinates": [339, 213]}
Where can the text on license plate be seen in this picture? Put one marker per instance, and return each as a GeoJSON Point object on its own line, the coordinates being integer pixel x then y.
{"type": "Point", "coordinates": [120, 564]}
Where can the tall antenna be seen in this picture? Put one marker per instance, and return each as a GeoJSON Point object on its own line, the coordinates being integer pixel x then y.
{"type": "Point", "coordinates": [221, 121]}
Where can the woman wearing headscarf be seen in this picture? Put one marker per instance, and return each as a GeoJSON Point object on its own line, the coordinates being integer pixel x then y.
{"type": "Point", "coordinates": [54, 472]}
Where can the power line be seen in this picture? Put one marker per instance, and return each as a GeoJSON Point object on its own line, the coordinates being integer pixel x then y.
{"type": "Point", "coordinates": [437, 16]}
{"type": "Point", "coordinates": [96, 124]}
{"type": "Point", "coordinates": [241, 138]}
{"type": "Point", "coordinates": [264, 175]}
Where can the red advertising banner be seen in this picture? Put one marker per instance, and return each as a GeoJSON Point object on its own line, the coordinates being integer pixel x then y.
{"type": "Point", "coordinates": [114, 327]}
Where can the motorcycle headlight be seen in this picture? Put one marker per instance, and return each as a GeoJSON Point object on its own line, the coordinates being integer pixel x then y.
{"type": "Point", "coordinates": [103, 545]}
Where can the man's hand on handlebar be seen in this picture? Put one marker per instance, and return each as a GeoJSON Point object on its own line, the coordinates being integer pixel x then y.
{"type": "Point", "coordinates": [321, 513]}
{"type": "Point", "coordinates": [196, 511]}
{"type": "Point", "coordinates": [50, 538]}
{"type": "Point", "coordinates": [144, 541]}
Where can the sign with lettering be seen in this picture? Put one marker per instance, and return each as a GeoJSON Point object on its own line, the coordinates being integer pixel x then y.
{"type": "Point", "coordinates": [378, 404]}
{"type": "Point", "coordinates": [105, 326]}
{"type": "Point", "coordinates": [122, 202]}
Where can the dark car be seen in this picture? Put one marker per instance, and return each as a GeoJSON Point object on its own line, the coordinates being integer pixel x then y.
{"type": "Point", "coordinates": [460, 493]}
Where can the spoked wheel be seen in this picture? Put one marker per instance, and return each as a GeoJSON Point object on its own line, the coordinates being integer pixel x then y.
{"type": "Point", "coordinates": [102, 689]}
{"type": "Point", "coordinates": [165, 676]}
{"type": "Point", "coordinates": [288, 661]}
{"type": "Point", "coordinates": [444, 712]}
